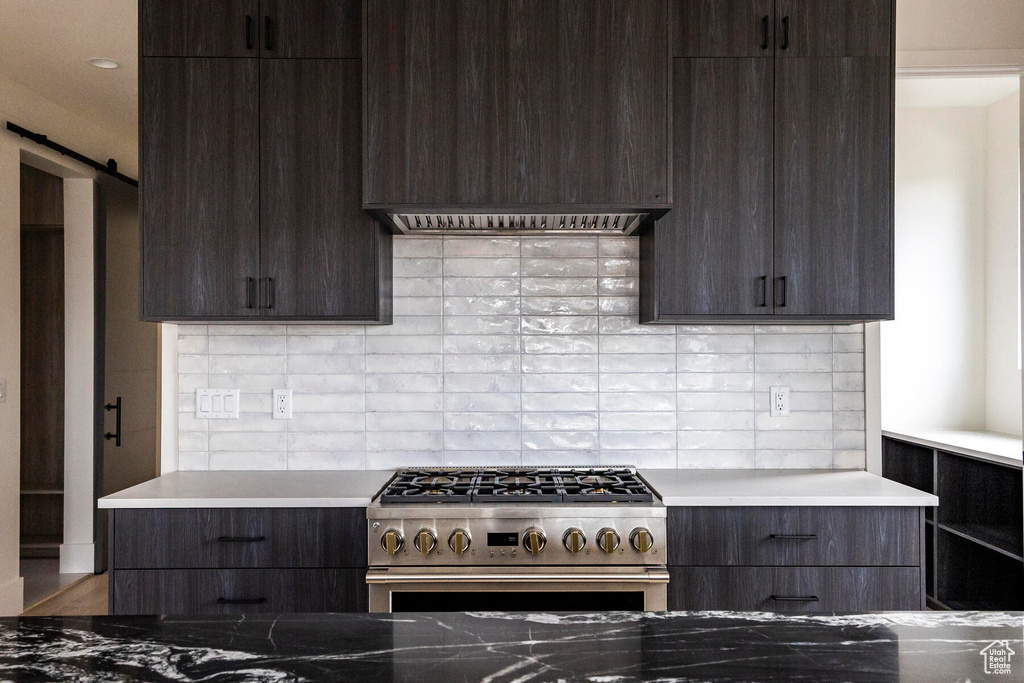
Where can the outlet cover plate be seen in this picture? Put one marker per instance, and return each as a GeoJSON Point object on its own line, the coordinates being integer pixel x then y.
{"type": "Point", "coordinates": [779, 397]}
{"type": "Point", "coordinates": [217, 404]}
{"type": "Point", "coordinates": [282, 404]}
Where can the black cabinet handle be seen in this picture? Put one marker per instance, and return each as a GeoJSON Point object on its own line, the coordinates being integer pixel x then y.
{"type": "Point", "coordinates": [764, 28]}
{"type": "Point", "coordinates": [793, 537]}
{"type": "Point", "coordinates": [241, 539]}
{"type": "Point", "coordinates": [794, 598]}
{"type": "Point", "coordinates": [268, 33]}
{"type": "Point", "coordinates": [241, 601]}
{"type": "Point", "coordinates": [248, 32]}
{"type": "Point", "coordinates": [764, 291]}
{"type": "Point", "coordinates": [785, 33]}
{"type": "Point", "coordinates": [116, 436]}
{"type": "Point", "coordinates": [271, 294]}
{"type": "Point", "coordinates": [785, 291]}
{"type": "Point", "coordinates": [250, 285]}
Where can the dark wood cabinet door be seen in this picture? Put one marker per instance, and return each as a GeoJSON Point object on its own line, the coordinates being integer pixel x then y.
{"type": "Point", "coordinates": [199, 28]}
{"type": "Point", "coordinates": [199, 187]}
{"type": "Point", "coordinates": [723, 28]}
{"type": "Point", "coordinates": [238, 591]}
{"type": "Point", "coordinates": [531, 105]}
{"type": "Point", "coordinates": [712, 253]}
{"type": "Point", "coordinates": [834, 187]}
{"type": "Point", "coordinates": [311, 28]}
{"type": "Point", "coordinates": [795, 589]}
{"type": "Point", "coordinates": [322, 254]}
{"type": "Point", "coordinates": [834, 28]}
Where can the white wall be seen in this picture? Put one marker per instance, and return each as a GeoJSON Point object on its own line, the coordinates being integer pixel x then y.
{"type": "Point", "coordinates": [933, 354]}
{"type": "Point", "coordinates": [959, 25]}
{"type": "Point", "coordinates": [11, 588]}
{"type": "Point", "coordinates": [1002, 209]}
{"type": "Point", "coordinates": [76, 552]}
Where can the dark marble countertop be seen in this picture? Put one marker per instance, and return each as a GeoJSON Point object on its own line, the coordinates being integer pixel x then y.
{"type": "Point", "coordinates": [930, 647]}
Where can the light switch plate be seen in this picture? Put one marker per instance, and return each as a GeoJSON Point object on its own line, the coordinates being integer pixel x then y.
{"type": "Point", "coordinates": [217, 404]}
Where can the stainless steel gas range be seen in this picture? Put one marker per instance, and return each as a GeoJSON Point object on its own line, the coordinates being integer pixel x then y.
{"type": "Point", "coordinates": [517, 539]}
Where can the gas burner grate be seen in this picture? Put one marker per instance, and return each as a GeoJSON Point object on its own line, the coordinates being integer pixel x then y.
{"type": "Point", "coordinates": [517, 485]}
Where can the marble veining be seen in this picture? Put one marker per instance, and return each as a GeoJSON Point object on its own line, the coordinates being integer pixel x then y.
{"type": "Point", "coordinates": [617, 647]}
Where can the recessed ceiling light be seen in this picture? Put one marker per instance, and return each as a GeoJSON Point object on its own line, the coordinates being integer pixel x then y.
{"type": "Point", "coordinates": [102, 63]}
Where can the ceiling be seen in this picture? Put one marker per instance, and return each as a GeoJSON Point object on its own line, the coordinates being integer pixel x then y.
{"type": "Point", "coordinates": [44, 45]}
{"type": "Point", "coordinates": [958, 91]}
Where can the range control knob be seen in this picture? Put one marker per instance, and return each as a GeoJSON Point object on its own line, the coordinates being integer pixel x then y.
{"type": "Point", "coordinates": [534, 540]}
{"type": "Point", "coordinates": [607, 540]}
{"type": "Point", "coordinates": [459, 541]}
{"type": "Point", "coordinates": [574, 540]}
{"type": "Point", "coordinates": [391, 541]}
{"type": "Point", "coordinates": [641, 539]}
{"type": "Point", "coordinates": [425, 541]}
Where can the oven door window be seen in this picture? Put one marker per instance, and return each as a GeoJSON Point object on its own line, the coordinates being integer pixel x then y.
{"type": "Point", "coordinates": [517, 601]}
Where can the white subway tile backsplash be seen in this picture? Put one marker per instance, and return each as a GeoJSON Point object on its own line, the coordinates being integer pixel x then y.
{"type": "Point", "coordinates": [523, 350]}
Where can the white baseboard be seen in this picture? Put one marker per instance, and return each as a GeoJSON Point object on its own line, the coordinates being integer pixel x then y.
{"type": "Point", "coordinates": [77, 558]}
{"type": "Point", "coordinates": [12, 597]}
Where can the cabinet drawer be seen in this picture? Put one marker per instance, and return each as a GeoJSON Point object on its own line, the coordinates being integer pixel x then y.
{"type": "Point", "coordinates": [795, 536]}
{"type": "Point", "coordinates": [795, 589]}
{"type": "Point", "coordinates": [238, 591]}
{"type": "Point", "coordinates": [239, 537]}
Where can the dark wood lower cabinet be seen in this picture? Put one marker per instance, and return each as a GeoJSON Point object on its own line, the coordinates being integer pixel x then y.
{"type": "Point", "coordinates": [238, 591]}
{"type": "Point", "coordinates": [795, 589]}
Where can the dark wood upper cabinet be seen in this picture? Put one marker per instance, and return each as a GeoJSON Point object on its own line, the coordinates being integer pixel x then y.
{"type": "Point", "coordinates": [834, 28]}
{"type": "Point", "coordinates": [834, 187]}
{"type": "Point", "coordinates": [322, 253]}
{"type": "Point", "coordinates": [723, 28]}
{"type": "Point", "coordinates": [535, 102]}
{"type": "Point", "coordinates": [784, 181]}
{"type": "Point", "coordinates": [311, 28]}
{"type": "Point", "coordinates": [199, 28]}
{"type": "Point", "coordinates": [199, 187]}
{"type": "Point", "coordinates": [712, 254]}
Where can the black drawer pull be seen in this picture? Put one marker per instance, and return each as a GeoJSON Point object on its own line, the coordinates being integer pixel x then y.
{"type": "Point", "coordinates": [241, 601]}
{"type": "Point", "coordinates": [793, 537]}
{"type": "Point", "coordinates": [241, 539]}
{"type": "Point", "coordinates": [248, 32]}
{"type": "Point", "coordinates": [268, 34]}
{"type": "Point", "coordinates": [794, 598]}
{"type": "Point", "coordinates": [785, 33]}
{"type": "Point", "coordinates": [764, 291]}
{"type": "Point", "coordinates": [764, 28]}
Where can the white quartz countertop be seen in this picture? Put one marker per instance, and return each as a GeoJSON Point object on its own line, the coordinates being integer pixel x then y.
{"type": "Point", "coordinates": [999, 448]}
{"type": "Point", "coordinates": [249, 489]}
{"type": "Point", "coordinates": [356, 488]}
{"type": "Point", "coordinates": [781, 487]}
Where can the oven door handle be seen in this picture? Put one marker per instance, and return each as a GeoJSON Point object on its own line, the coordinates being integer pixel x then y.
{"type": "Point", "coordinates": [384, 576]}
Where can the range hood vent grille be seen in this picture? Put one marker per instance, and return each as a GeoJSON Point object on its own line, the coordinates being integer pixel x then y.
{"type": "Point", "coordinates": [535, 223]}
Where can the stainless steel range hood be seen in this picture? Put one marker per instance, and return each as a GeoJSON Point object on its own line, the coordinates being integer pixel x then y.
{"type": "Point", "coordinates": [507, 220]}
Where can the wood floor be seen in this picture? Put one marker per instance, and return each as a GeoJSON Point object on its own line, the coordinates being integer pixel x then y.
{"type": "Point", "coordinates": [86, 597]}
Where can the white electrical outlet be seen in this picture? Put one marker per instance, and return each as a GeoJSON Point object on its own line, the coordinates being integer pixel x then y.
{"type": "Point", "coordinates": [282, 404]}
{"type": "Point", "coordinates": [780, 401]}
{"type": "Point", "coordinates": [217, 404]}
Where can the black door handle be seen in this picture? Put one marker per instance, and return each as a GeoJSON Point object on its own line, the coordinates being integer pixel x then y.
{"type": "Point", "coordinates": [116, 436]}
{"type": "Point", "coordinates": [794, 598]}
{"type": "Point", "coordinates": [241, 539]}
{"type": "Point", "coordinates": [241, 601]}
{"type": "Point", "coordinates": [764, 291]}
{"type": "Point", "coordinates": [785, 33]}
{"type": "Point", "coordinates": [784, 281]}
{"type": "Point", "coordinates": [248, 32]}
{"type": "Point", "coordinates": [250, 286]}
{"type": "Point", "coordinates": [793, 537]}
{"type": "Point", "coordinates": [271, 294]}
{"type": "Point", "coordinates": [268, 33]}
{"type": "Point", "coordinates": [764, 28]}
